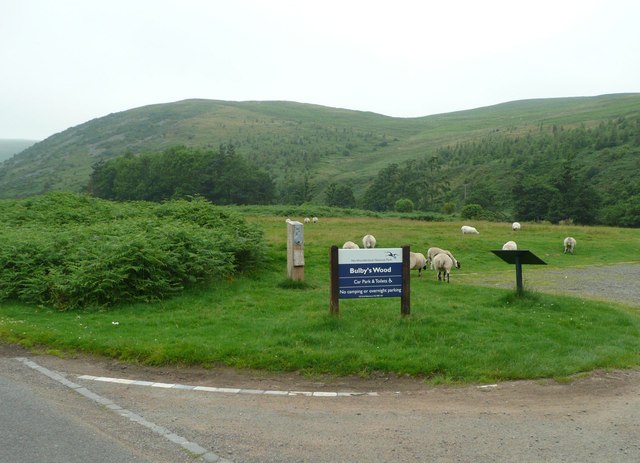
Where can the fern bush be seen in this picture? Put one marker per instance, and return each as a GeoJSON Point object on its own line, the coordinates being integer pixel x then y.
{"type": "Point", "coordinates": [74, 252]}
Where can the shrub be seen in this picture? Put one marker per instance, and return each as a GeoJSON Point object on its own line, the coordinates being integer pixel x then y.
{"type": "Point", "coordinates": [448, 208]}
{"type": "Point", "coordinates": [404, 205]}
{"type": "Point", "coordinates": [472, 211]}
{"type": "Point", "coordinates": [144, 252]}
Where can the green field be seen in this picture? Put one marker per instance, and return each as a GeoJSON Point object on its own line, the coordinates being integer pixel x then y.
{"type": "Point", "coordinates": [457, 332]}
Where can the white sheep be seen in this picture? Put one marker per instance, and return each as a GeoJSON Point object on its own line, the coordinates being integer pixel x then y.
{"type": "Point", "coordinates": [350, 245]}
{"type": "Point", "coordinates": [443, 264]}
{"type": "Point", "coordinates": [515, 226]}
{"type": "Point", "coordinates": [569, 244]}
{"type": "Point", "coordinates": [433, 251]}
{"type": "Point", "coordinates": [369, 241]}
{"type": "Point", "coordinates": [417, 260]}
{"type": "Point", "coordinates": [467, 230]}
{"type": "Point", "coordinates": [315, 220]}
{"type": "Point", "coordinates": [510, 246]}
{"type": "Point", "coordinates": [307, 220]}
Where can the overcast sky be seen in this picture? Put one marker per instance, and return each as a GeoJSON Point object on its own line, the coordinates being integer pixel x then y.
{"type": "Point", "coordinates": [64, 62]}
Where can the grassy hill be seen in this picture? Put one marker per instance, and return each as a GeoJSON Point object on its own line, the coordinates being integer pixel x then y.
{"type": "Point", "coordinates": [9, 147]}
{"type": "Point", "coordinates": [290, 139]}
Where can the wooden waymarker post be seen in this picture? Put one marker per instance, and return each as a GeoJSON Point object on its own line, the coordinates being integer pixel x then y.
{"type": "Point", "coordinates": [369, 273]}
{"type": "Point", "coordinates": [295, 250]}
{"type": "Point", "coordinates": [518, 258]}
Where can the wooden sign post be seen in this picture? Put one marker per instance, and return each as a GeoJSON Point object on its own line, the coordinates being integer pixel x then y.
{"type": "Point", "coordinates": [370, 273]}
{"type": "Point", "coordinates": [295, 250]}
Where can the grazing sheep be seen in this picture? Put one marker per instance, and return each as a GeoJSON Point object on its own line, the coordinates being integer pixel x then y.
{"type": "Point", "coordinates": [467, 230]}
{"type": "Point", "coordinates": [569, 244]}
{"type": "Point", "coordinates": [315, 220]}
{"type": "Point", "coordinates": [307, 220]}
{"type": "Point", "coordinates": [510, 246]}
{"type": "Point", "coordinates": [443, 265]}
{"type": "Point", "coordinates": [369, 241]}
{"type": "Point", "coordinates": [515, 226]}
{"type": "Point", "coordinates": [350, 245]}
{"type": "Point", "coordinates": [417, 261]}
{"type": "Point", "coordinates": [432, 252]}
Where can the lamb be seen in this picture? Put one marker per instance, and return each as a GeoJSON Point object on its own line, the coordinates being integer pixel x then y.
{"type": "Point", "coordinates": [432, 252]}
{"type": "Point", "coordinates": [307, 220]}
{"type": "Point", "coordinates": [350, 245]}
{"type": "Point", "coordinates": [515, 226]}
{"type": "Point", "coordinates": [510, 246]}
{"type": "Point", "coordinates": [569, 244]}
{"type": "Point", "coordinates": [443, 265]}
{"type": "Point", "coordinates": [467, 230]}
{"type": "Point", "coordinates": [369, 241]}
{"type": "Point", "coordinates": [315, 220]}
{"type": "Point", "coordinates": [417, 261]}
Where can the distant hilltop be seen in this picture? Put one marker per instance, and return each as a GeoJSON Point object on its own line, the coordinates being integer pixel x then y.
{"type": "Point", "coordinates": [313, 152]}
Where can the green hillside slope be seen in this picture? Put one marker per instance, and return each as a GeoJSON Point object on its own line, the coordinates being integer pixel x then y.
{"type": "Point", "coordinates": [9, 147]}
{"type": "Point", "coordinates": [293, 139]}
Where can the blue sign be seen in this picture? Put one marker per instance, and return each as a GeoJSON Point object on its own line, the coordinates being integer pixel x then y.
{"type": "Point", "coordinates": [369, 273]}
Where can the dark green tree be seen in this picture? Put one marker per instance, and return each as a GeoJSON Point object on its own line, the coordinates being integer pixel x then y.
{"type": "Point", "coordinates": [340, 196]}
{"type": "Point", "coordinates": [404, 205]}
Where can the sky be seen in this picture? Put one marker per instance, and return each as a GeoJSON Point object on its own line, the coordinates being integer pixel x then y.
{"type": "Point", "coordinates": [65, 62]}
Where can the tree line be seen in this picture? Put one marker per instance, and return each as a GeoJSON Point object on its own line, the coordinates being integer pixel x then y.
{"type": "Point", "coordinates": [223, 177]}
{"type": "Point", "coordinates": [586, 175]}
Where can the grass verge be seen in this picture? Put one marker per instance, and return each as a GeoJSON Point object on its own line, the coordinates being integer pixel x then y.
{"type": "Point", "coordinates": [457, 334]}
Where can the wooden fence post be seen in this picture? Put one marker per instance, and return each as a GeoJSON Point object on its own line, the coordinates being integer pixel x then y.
{"type": "Point", "coordinates": [405, 300]}
{"type": "Point", "coordinates": [334, 282]}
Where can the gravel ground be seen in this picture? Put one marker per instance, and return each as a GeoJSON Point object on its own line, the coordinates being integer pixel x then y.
{"type": "Point", "coordinates": [614, 283]}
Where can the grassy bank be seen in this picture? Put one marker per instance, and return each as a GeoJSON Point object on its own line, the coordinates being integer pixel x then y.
{"type": "Point", "coordinates": [456, 332]}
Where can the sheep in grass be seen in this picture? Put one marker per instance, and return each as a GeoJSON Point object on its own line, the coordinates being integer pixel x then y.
{"type": "Point", "coordinates": [350, 245]}
{"type": "Point", "coordinates": [369, 241]}
{"type": "Point", "coordinates": [307, 220]}
{"type": "Point", "coordinates": [510, 246]}
{"type": "Point", "coordinates": [315, 220]}
{"type": "Point", "coordinates": [433, 251]}
{"type": "Point", "coordinates": [569, 244]}
{"type": "Point", "coordinates": [515, 226]}
{"type": "Point", "coordinates": [443, 264]}
{"type": "Point", "coordinates": [417, 260]}
{"type": "Point", "coordinates": [467, 230]}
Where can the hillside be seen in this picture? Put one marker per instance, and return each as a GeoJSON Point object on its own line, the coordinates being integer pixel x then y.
{"type": "Point", "coordinates": [10, 147]}
{"type": "Point", "coordinates": [290, 140]}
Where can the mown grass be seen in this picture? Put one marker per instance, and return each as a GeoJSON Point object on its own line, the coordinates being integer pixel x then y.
{"type": "Point", "coordinates": [456, 332]}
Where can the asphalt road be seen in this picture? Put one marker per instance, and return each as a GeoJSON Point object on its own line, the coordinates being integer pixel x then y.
{"type": "Point", "coordinates": [243, 419]}
{"type": "Point", "coordinates": [44, 421]}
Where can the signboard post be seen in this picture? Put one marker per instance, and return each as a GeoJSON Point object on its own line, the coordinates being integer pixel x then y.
{"type": "Point", "coordinates": [370, 273]}
{"type": "Point", "coordinates": [295, 250]}
{"type": "Point", "coordinates": [518, 258]}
